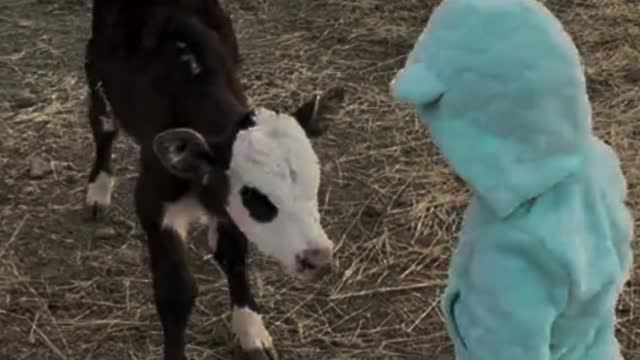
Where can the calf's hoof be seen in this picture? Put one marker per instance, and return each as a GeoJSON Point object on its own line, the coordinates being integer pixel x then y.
{"type": "Point", "coordinates": [96, 212]}
{"type": "Point", "coordinates": [261, 354]}
{"type": "Point", "coordinates": [255, 341]}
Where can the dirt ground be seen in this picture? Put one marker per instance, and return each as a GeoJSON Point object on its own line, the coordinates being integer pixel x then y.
{"type": "Point", "coordinates": [73, 289]}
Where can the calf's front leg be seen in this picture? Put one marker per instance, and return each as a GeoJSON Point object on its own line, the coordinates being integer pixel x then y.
{"type": "Point", "coordinates": [174, 286]}
{"type": "Point", "coordinates": [231, 250]}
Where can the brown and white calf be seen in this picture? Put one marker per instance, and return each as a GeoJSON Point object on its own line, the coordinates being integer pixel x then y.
{"type": "Point", "coordinates": [165, 72]}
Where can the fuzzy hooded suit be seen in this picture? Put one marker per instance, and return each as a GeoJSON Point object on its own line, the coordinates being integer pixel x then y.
{"type": "Point", "coordinates": [544, 249]}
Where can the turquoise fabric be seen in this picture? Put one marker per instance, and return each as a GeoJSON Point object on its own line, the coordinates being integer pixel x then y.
{"type": "Point", "coordinates": [544, 249]}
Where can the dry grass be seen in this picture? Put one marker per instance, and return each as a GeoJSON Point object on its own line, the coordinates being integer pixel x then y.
{"type": "Point", "coordinates": [70, 289]}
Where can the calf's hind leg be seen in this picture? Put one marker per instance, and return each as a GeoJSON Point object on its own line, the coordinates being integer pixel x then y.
{"type": "Point", "coordinates": [104, 130]}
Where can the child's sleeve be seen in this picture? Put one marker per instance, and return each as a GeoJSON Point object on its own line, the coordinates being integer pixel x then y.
{"type": "Point", "coordinates": [503, 298]}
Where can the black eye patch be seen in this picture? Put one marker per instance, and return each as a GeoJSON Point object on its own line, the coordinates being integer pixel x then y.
{"type": "Point", "coordinates": [258, 204]}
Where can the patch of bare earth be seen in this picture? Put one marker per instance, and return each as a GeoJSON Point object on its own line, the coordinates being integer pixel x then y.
{"type": "Point", "coordinates": [73, 289]}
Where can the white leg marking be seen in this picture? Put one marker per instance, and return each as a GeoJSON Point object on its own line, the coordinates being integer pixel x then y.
{"type": "Point", "coordinates": [247, 325]}
{"type": "Point", "coordinates": [179, 215]}
{"type": "Point", "coordinates": [99, 191]}
{"type": "Point", "coordinates": [212, 235]}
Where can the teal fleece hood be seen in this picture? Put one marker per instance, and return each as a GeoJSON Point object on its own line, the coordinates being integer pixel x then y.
{"type": "Point", "coordinates": [544, 248]}
{"type": "Point", "coordinates": [499, 84]}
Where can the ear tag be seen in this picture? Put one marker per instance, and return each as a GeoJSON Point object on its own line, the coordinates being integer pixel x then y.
{"type": "Point", "coordinates": [189, 58]}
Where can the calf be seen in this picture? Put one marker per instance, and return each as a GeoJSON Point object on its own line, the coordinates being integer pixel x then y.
{"type": "Point", "coordinates": [165, 72]}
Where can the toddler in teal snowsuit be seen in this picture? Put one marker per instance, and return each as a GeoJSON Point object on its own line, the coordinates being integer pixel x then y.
{"type": "Point", "coordinates": [544, 249]}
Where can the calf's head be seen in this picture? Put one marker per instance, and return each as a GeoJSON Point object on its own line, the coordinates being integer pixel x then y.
{"type": "Point", "coordinates": [271, 182]}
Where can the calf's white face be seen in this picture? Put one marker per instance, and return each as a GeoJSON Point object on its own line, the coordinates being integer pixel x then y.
{"type": "Point", "coordinates": [274, 177]}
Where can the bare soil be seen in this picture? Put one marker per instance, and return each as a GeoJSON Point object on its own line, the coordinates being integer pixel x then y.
{"type": "Point", "coordinates": [73, 289]}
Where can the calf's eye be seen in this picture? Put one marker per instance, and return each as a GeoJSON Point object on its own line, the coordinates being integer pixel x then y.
{"type": "Point", "coordinates": [260, 208]}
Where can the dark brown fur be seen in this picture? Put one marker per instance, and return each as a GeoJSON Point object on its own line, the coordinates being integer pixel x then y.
{"type": "Point", "coordinates": [156, 65]}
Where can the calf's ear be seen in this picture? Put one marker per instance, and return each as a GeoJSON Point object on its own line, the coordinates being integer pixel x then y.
{"type": "Point", "coordinates": [184, 153]}
{"type": "Point", "coordinates": [314, 114]}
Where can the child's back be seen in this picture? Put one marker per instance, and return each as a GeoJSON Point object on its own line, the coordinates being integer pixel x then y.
{"type": "Point", "coordinates": [543, 282]}
{"type": "Point", "coordinates": [545, 245]}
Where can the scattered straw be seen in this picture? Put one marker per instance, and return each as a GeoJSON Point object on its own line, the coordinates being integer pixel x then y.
{"type": "Point", "coordinates": [388, 200]}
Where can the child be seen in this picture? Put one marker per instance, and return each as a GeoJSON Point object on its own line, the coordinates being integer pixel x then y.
{"type": "Point", "coordinates": [545, 246]}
